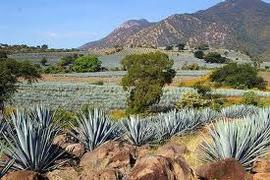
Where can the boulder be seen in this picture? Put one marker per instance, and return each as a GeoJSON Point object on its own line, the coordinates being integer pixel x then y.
{"type": "Point", "coordinates": [261, 176]}
{"type": "Point", "coordinates": [113, 154]}
{"type": "Point", "coordinates": [155, 167]}
{"type": "Point", "coordinates": [111, 174]}
{"type": "Point", "coordinates": [24, 175]}
{"type": "Point", "coordinates": [262, 166]}
{"type": "Point", "coordinates": [67, 173]}
{"type": "Point", "coordinates": [76, 150]}
{"type": "Point", "coordinates": [223, 170]}
{"type": "Point", "coordinates": [171, 150]}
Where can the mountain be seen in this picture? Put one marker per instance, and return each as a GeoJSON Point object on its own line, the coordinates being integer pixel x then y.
{"type": "Point", "coordinates": [233, 24]}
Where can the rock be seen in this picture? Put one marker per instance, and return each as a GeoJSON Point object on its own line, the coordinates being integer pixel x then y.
{"type": "Point", "coordinates": [61, 141]}
{"type": "Point", "coordinates": [158, 167]}
{"type": "Point", "coordinates": [24, 175]}
{"type": "Point", "coordinates": [261, 176]}
{"type": "Point", "coordinates": [223, 170]}
{"type": "Point", "coordinates": [171, 150]}
{"type": "Point", "coordinates": [75, 149]}
{"type": "Point", "coordinates": [67, 173]}
{"type": "Point", "coordinates": [143, 151]}
{"type": "Point", "coordinates": [262, 166]}
{"type": "Point", "coordinates": [110, 174]}
{"type": "Point", "coordinates": [112, 154]}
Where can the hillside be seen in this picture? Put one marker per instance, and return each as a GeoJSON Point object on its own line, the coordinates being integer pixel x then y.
{"type": "Point", "coordinates": [232, 24]}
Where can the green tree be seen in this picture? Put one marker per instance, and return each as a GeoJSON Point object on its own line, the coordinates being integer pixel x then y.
{"type": "Point", "coordinates": [238, 76]}
{"type": "Point", "coordinates": [147, 74]}
{"type": "Point", "coordinates": [180, 46]}
{"type": "Point", "coordinates": [10, 73]}
{"type": "Point", "coordinates": [199, 54]}
{"type": "Point", "coordinates": [87, 63]}
{"type": "Point", "coordinates": [257, 61]}
{"type": "Point", "coordinates": [214, 57]}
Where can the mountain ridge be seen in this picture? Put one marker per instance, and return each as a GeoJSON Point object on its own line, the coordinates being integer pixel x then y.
{"type": "Point", "coordinates": [232, 24]}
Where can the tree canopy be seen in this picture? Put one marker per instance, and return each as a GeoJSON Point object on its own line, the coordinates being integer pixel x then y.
{"type": "Point", "coordinates": [147, 74]}
{"type": "Point", "coordinates": [87, 63]}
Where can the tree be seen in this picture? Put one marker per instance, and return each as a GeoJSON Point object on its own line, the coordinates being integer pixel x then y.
{"type": "Point", "coordinates": [10, 72]}
{"type": "Point", "coordinates": [147, 74]}
{"type": "Point", "coordinates": [43, 61]}
{"type": "Point", "coordinates": [44, 46]}
{"type": "Point", "coordinates": [3, 55]}
{"type": "Point", "coordinates": [87, 63]}
{"type": "Point", "coordinates": [180, 46]}
{"type": "Point", "coordinates": [199, 54]}
{"type": "Point", "coordinates": [239, 76]}
{"type": "Point", "coordinates": [214, 57]}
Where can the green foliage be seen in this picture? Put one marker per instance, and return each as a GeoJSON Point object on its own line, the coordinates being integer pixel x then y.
{"type": "Point", "coordinates": [147, 74]}
{"type": "Point", "coordinates": [3, 55]}
{"type": "Point", "coordinates": [30, 141]}
{"type": "Point", "coordinates": [191, 100]}
{"type": "Point", "coordinates": [251, 98]}
{"type": "Point", "coordinates": [169, 48]}
{"type": "Point", "coordinates": [43, 61]}
{"type": "Point", "coordinates": [94, 128]}
{"type": "Point", "coordinates": [238, 76]}
{"type": "Point", "coordinates": [55, 69]}
{"type": "Point", "coordinates": [180, 46]}
{"type": "Point", "coordinates": [10, 72]}
{"type": "Point", "coordinates": [199, 54]}
{"type": "Point", "coordinates": [214, 57]}
{"type": "Point", "coordinates": [244, 140]}
{"type": "Point", "coordinates": [139, 132]}
{"type": "Point", "coordinates": [68, 60]}
{"type": "Point", "coordinates": [87, 63]}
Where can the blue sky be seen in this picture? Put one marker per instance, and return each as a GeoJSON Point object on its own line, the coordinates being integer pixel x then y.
{"type": "Point", "coordinates": [71, 23]}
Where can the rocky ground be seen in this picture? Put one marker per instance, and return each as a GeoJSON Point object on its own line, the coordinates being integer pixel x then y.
{"type": "Point", "coordinates": [119, 160]}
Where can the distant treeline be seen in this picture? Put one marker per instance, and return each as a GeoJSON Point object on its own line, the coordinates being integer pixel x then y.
{"type": "Point", "coordinates": [11, 49]}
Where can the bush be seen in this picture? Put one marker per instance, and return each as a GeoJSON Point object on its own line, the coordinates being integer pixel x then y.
{"type": "Point", "coordinates": [192, 100]}
{"type": "Point", "coordinates": [147, 74]}
{"type": "Point", "coordinates": [199, 54]}
{"type": "Point", "coordinates": [87, 63]}
{"type": "Point", "coordinates": [214, 57]}
{"type": "Point", "coordinates": [251, 98]}
{"type": "Point", "coordinates": [238, 76]}
{"type": "Point", "coordinates": [193, 66]}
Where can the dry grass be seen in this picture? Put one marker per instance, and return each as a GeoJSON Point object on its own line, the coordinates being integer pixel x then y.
{"type": "Point", "coordinates": [192, 142]}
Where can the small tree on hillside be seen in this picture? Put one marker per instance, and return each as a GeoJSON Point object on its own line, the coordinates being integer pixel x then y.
{"type": "Point", "coordinates": [199, 54]}
{"type": "Point", "coordinates": [257, 61]}
{"type": "Point", "coordinates": [147, 74]}
{"type": "Point", "coordinates": [214, 57]}
{"type": "Point", "coordinates": [10, 72]}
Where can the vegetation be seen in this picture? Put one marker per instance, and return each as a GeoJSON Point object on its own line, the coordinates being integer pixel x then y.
{"type": "Point", "coordinates": [30, 49]}
{"type": "Point", "coordinates": [243, 140]}
{"type": "Point", "coordinates": [214, 57]}
{"type": "Point", "coordinates": [239, 76]}
{"type": "Point", "coordinates": [30, 140]}
{"type": "Point", "coordinates": [147, 74]}
{"type": "Point", "coordinates": [10, 72]}
{"type": "Point", "coordinates": [87, 63]}
{"type": "Point", "coordinates": [193, 67]}
{"type": "Point", "coordinates": [94, 128]}
{"type": "Point", "coordinates": [199, 54]}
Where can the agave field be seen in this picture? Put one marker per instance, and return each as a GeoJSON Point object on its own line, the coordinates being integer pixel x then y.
{"type": "Point", "coordinates": [29, 134]}
{"type": "Point", "coordinates": [74, 95]}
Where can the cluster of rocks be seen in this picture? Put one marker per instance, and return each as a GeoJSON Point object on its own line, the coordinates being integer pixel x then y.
{"type": "Point", "coordinates": [118, 160]}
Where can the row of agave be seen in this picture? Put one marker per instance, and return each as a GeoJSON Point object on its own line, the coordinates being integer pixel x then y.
{"type": "Point", "coordinates": [29, 135]}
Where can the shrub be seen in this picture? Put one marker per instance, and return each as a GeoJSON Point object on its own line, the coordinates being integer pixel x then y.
{"type": "Point", "coordinates": [238, 76]}
{"type": "Point", "coordinates": [139, 132]}
{"type": "Point", "coordinates": [30, 142]}
{"type": "Point", "coordinates": [147, 75]}
{"type": "Point", "coordinates": [214, 57]}
{"type": "Point", "coordinates": [251, 98]}
{"type": "Point", "coordinates": [244, 140]}
{"type": "Point", "coordinates": [193, 66]}
{"type": "Point", "coordinates": [199, 54]}
{"type": "Point", "coordinates": [43, 61]}
{"type": "Point", "coordinates": [192, 100]}
{"type": "Point", "coordinates": [87, 63]}
{"type": "Point", "coordinates": [94, 129]}
{"type": "Point", "coordinates": [55, 69]}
